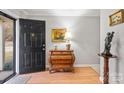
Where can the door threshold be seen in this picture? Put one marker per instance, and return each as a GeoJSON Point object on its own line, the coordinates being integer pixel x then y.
{"type": "Point", "coordinates": [6, 79]}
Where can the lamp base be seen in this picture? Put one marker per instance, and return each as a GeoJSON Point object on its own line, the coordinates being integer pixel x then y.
{"type": "Point", "coordinates": [68, 46]}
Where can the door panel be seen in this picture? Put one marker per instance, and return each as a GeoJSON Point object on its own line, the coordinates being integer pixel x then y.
{"type": "Point", "coordinates": [32, 44]}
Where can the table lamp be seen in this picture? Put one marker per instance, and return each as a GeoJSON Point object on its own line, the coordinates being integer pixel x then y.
{"type": "Point", "coordinates": [68, 45]}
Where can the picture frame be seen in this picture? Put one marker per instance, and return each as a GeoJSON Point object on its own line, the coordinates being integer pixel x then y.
{"type": "Point", "coordinates": [117, 18]}
{"type": "Point", "coordinates": [59, 35]}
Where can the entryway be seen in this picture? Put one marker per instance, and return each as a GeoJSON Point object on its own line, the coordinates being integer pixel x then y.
{"type": "Point", "coordinates": [32, 46]}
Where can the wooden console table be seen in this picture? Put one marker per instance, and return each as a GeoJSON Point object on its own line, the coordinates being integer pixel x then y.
{"type": "Point", "coordinates": [106, 67]}
{"type": "Point", "coordinates": [61, 60]}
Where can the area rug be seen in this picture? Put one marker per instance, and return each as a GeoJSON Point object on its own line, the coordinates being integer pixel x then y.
{"type": "Point", "coordinates": [18, 80]}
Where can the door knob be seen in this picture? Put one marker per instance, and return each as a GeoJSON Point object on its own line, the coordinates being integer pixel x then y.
{"type": "Point", "coordinates": [43, 45]}
{"type": "Point", "coordinates": [43, 49]}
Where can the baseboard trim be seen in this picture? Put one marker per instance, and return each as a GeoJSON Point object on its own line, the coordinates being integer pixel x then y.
{"type": "Point", "coordinates": [85, 65]}
{"type": "Point", "coordinates": [96, 67]}
{"type": "Point", "coordinates": [101, 79]}
{"type": "Point", "coordinates": [81, 65]}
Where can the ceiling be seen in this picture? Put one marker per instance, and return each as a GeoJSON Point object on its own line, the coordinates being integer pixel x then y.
{"type": "Point", "coordinates": [56, 12]}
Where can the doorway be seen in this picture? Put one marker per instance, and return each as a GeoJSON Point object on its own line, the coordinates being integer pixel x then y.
{"type": "Point", "coordinates": [31, 46]}
{"type": "Point", "coordinates": [7, 47]}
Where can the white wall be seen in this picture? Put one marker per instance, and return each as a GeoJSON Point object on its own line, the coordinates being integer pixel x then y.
{"type": "Point", "coordinates": [1, 46]}
{"type": "Point", "coordinates": [85, 32]}
{"type": "Point", "coordinates": [17, 46]}
{"type": "Point", "coordinates": [116, 65]}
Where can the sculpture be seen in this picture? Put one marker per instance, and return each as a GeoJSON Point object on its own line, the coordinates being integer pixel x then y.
{"type": "Point", "coordinates": [108, 41]}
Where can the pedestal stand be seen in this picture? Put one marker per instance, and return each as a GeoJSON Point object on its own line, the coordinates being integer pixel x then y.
{"type": "Point", "coordinates": [106, 67]}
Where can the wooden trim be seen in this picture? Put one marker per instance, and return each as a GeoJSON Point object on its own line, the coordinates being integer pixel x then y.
{"type": "Point", "coordinates": [61, 50]}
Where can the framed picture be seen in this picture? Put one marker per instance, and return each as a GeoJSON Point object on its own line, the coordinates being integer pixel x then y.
{"type": "Point", "coordinates": [117, 18]}
{"type": "Point", "coordinates": [58, 35]}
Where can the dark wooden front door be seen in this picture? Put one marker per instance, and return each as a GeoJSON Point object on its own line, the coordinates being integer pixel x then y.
{"type": "Point", "coordinates": [32, 46]}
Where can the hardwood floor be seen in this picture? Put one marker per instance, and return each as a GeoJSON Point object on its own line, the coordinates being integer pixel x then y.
{"type": "Point", "coordinates": [82, 75]}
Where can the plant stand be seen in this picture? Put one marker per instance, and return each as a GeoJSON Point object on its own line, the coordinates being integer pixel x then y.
{"type": "Point", "coordinates": [106, 67]}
